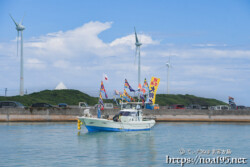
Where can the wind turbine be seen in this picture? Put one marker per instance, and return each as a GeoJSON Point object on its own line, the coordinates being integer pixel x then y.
{"type": "Point", "coordinates": [137, 51]}
{"type": "Point", "coordinates": [20, 28]}
{"type": "Point", "coordinates": [168, 67]}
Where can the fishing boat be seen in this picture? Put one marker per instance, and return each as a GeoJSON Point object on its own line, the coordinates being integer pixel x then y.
{"type": "Point", "coordinates": [128, 119]}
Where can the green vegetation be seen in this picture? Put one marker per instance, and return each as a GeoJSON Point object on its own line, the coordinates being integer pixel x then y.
{"type": "Point", "coordinates": [163, 99]}
{"type": "Point", "coordinates": [73, 97]}
{"type": "Point", "coordinates": [54, 97]}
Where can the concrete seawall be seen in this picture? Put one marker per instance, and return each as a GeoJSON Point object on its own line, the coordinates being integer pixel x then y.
{"type": "Point", "coordinates": [70, 114]}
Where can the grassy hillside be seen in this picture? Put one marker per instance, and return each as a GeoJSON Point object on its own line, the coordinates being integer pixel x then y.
{"type": "Point", "coordinates": [73, 97]}
{"type": "Point", "coordinates": [163, 99]}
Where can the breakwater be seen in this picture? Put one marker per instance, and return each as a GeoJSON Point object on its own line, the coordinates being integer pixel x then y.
{"type": "Point", "coordinates": [71, 114]}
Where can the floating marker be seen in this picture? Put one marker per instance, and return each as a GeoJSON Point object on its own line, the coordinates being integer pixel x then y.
{"type": "Point", "coordinates": [79, 124]}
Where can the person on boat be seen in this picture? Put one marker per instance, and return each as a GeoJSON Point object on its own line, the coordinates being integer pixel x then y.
{"type": "Point", "coordinates": [116, 118]}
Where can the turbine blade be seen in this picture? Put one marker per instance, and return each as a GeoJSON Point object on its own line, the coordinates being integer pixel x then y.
{"type": "Point", "coordinates": [136, 39]}
{"type": "Point", "coordinates": [17, 42]}
{"type": "Point", "coordinates": [14, 20]}
{"type": "Point", "coordinates": [21, 22]}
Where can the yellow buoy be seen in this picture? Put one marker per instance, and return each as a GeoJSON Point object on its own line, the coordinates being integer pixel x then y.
{"type": "Point", "coordinates": [79, 124]}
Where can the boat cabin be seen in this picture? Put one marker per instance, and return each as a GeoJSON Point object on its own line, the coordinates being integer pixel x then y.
{"type": "Point", "coordinates": [130, 113]}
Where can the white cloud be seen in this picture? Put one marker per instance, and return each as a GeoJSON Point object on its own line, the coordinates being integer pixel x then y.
{"type": "Point", "coordinates": [130, 41]}
{"type": "Point", "coordinates": [73, 42]}
{"type": "Point", "coordinates": [83, 40]}
{"type": "Point", "coordinates": [210, 45]}
{"type": "Point", "coordinates": [35, 64]}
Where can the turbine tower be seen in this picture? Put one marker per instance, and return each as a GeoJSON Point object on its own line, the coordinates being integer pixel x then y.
{"type": "Point", "coordinates": [20, 28]}
{"type": "Point", "coordinates": [168, 67]}
{"type": "Point", "coordinates": [137, 51]}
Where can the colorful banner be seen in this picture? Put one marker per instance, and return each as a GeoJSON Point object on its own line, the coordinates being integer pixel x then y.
{"type": "Point", "coordinates": [103, 90]}
{"type": "Point", "coordinates": [100, 95]}
{"type": "Point", "coordinates": [114, 98]}
{"type": "Point", "coordinates": [153, 89]}
{"type": "Point", "coordinates": [141, 89]}
{"type": "Point", "coordinates": [126, 85]}
{"type": "Point", "coordinates": [126, 96]}
{"type": "Point", "coordinates": [145, 85]}
{"type": "Point", "coordinates": [142, 98]}
{"type": "Point", "coordinates": [100, 99]}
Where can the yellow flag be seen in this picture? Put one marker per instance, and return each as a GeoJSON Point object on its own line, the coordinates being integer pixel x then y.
{"type": "Point", "coordinates": [153, 89]}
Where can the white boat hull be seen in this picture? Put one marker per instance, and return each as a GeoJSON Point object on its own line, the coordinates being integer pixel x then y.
{"type": "Point", "coordinates": [96, 124]}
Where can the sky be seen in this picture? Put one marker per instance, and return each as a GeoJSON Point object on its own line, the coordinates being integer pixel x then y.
{"type": "Point", "coordinates": [76, 42]}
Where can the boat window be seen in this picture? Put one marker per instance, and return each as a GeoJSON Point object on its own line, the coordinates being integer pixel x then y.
{"type": "Point", "coordinates": [126, 113]}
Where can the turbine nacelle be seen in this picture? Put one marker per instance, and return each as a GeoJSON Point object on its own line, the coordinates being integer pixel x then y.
{"type": "Point", "coordinates": [168, 65]}
{"type": "Point", "coordinates": [20, 27]}
{"type": "Point", "coordinates": [138, 44]}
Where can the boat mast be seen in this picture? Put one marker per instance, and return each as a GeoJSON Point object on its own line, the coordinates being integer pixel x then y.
{"type": "Point", "coordinates": [99, 104]}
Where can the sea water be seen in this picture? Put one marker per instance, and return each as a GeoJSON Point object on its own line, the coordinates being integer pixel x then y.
{"type": "Point", "coordinates": [61, 144]}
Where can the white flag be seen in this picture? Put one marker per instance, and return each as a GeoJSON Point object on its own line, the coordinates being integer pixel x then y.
{"type": "Point", "coordinates": [105, 77]}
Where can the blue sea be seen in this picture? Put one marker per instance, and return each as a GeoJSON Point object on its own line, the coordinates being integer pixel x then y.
{"type": "Point", "coordinates": [61, 144]}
